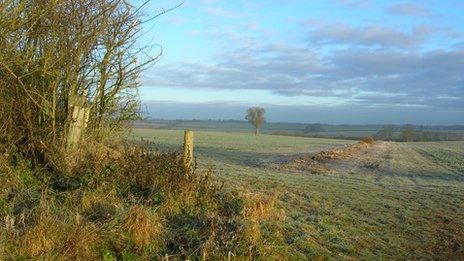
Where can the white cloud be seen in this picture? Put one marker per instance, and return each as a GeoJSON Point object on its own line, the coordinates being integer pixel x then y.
{"type": "Point", "coordinates": [409, 9]}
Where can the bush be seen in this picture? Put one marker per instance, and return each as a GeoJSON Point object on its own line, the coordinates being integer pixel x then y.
{"type": "Point", "coordinates": [130, 202]}
{"type": "Point", "coordinates": [96, 65]}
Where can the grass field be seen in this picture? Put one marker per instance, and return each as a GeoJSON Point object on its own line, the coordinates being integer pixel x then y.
{"type": "Point", "coordinates": [270, 127]}
{"type": "Point", "coordinates": [341, 131]}
{"type": "Point", "coordinates": [391, 201]}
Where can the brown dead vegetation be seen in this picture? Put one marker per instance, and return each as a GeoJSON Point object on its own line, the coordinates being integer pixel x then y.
{"type": "Point", "coordinates": [82, 238]}
{"type": "Point", "coordinates": [143, 226]}
{"type": "Point", "coordinates": [342, 153]}
{"type": "Point", "coordinates": [447, 241]}
{"type": "Point", "coordinates": [315, 162]}
{"type": "Point", "coordinates": [134, 202]}
{"type": "Point", "coordinates": [43, 237]}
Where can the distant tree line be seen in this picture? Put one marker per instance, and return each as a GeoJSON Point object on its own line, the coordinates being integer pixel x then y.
{"type": "Point", "coordinates": [387, 132]}
{"type": "Point", "coordinates": [314, 127]}
{"type": "Point", "coordinates": [410, 133]}
{"type": "Point", "coordinates": [312, 135]}
{"type": "Point", "coordinates": [441, 127]}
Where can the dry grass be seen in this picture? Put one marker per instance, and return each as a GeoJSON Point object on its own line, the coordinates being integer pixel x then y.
{"type": "Point", "coordinates": [264, 228]}
{"type": "Point", "coordinates": [342, 153]}
{"type": "Point", "coordinates": [136, 205]}
{"type": "Point", "coordinates": [260, 207]}
{"type": "Point", "coordinates": [143, 226]}
{"type": "Point", "coordinates": [81, 241]}
{"type": "Point", "coordinates": [45, 235]}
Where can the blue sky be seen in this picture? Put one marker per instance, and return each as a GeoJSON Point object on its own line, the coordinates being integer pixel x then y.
{"type": "Point", "coordinates": [334, 61]}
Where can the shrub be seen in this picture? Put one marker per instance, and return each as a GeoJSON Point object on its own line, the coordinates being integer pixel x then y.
{"type": "Point", "coordinates": [130, 203]}
{"type": "Point", "coordinates": [60, 58]}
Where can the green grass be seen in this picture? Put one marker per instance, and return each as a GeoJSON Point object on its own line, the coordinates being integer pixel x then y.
{"type": "Point", "coordinates": [351, 131]}
{"type": "Point", "coordinates": [449, 154]}
{"type": "Point", "coordinates": [238, 149]}
{"type": "Point", "coordinates": [409, 205]}
{"type": "Point", "coordinates": [235, 126]}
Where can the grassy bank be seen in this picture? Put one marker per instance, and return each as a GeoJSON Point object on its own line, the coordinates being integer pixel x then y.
{"type": "Point", "coordinates": [127, 202]}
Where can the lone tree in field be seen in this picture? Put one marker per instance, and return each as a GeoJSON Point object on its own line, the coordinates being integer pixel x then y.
{"type": "Point", "coordinates": [255, 116]}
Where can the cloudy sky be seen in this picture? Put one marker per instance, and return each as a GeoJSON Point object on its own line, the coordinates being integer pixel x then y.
{"type": "Point", "coordinates": [334, 61]}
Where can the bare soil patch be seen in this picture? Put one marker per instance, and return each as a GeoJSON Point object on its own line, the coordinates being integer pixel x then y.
{"type": "Point", "coordinates": [322, 162]}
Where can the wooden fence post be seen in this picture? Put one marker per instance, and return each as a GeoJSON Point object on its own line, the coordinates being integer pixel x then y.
{"type": "Point", "coordinates": [188, 149]}
{"type": "Point", "coordinates": [79, 118]}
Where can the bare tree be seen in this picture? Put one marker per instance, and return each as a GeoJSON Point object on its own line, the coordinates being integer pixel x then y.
{"type": "Point", "coordinates": [408, 132]}
{"type": "Point", "coordinates": [386, 133]}
{"type": "Point", "coordinates": [55, 53]}
{"type": "Point", "coordinates": [255, 116]}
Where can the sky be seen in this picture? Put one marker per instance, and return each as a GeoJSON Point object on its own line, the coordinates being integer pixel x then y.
{"type": "Point", "coordinates": [333, 61]}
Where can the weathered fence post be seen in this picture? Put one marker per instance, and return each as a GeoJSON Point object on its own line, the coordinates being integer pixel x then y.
{"type": "Point", "coordinates": [188, 149]}
{"type": "Point", "coordinates": [79, 119]}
